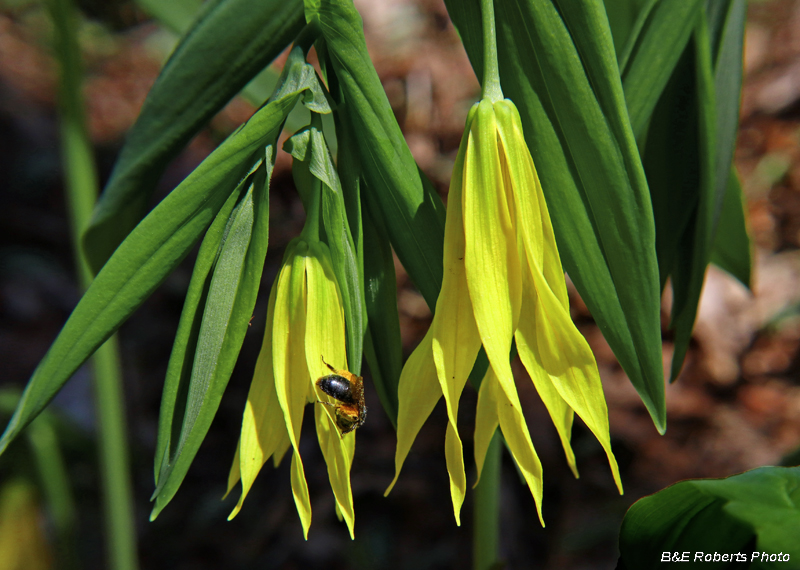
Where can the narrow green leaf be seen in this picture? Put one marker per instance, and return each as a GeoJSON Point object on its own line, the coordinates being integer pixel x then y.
{"type": "Point", "coordinates": [382, 346]}
{"type": "Point", "coordinates": [411, 211]}
{"type": "Point", "coordinates": [732, 249]}
{"type": "Point", "coordinates": [557, 65]}
{"type": "Point", "coordinates": [750, 514]}
{"type": "Point", "coordinates": [229, 306]}
{"type": "Point", "coordinates": [653, 55]}
{"type": "Point", "coordinates": [726, 26]}
{"type": "Point", "coordinates": [695, 247]}
{"type": "Point", "coordinates": [219, 55]}
{"type": "Point", "coordinates": [624, 20]}
{"type": "Point", "coordinates": [159, 243]}
{"type": "Point", "coordinates": [179, 370]}
{"type": "Point", "coordinates": [672, 139]}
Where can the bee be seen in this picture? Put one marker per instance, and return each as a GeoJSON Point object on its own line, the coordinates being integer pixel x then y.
{"type": "Point", "coordinates": [348, 391]}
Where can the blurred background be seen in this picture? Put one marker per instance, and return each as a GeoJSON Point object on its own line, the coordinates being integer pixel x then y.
{"type": "Point", "coordinates": [735, 406]}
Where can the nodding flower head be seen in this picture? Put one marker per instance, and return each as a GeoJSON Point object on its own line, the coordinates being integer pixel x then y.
{"type": "Point", "coordinates": [305, 331]}
{"type": "Point", "coordinates": [503, 282]}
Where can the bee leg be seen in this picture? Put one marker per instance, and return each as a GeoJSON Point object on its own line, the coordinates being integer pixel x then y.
{"type": "Point", "coordinates": [331, 368]}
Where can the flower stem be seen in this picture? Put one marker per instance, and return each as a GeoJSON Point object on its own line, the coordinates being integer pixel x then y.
{"type": "Point", "coordinates": [486, 517]}
{"type": "Point", "coordinates": [491, 70]}
{"type": "Point", "coordinates": [82, 188]}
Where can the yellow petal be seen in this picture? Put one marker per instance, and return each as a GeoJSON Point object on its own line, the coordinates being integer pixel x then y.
{"type": "Point", "coordinates": [454, 456]}
{"type": "Point", "coordinates": [491, 259]}
{"type": "Point", "coordinates": [263, 427]}
{"type": "Point", "coordinates": [300, 493]}
{"type": "Point", "coordinates": [533, 220]}
{"type": "Point", "coordinates": [281, 449]}
{"type": "Point", "coordinates": [325, 338]}
{"type": "Point", "coordinates": [486, 422]}
{"type": "Point", "coordinates": [337, 451]}
{"type": "Point", "coordinates": [555, 346]}
{"type": "Point", "coordinates": [455, 336]}
{"type": "Point", "coordinates": [417, 392]}
{"type": "Point", "coordinates": [518, 439]}
{"type": "Point", "coordinates": [292, 383]}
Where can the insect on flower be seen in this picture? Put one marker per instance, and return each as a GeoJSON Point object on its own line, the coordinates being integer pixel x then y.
{"type": "Point", "coordinates": [348, 390]}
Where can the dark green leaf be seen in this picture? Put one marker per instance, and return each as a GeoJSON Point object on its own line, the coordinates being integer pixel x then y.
{"type": "Point", "coordinates": [159, 243]}
{"type": "Point", "coordinates": [726, 26]}
{"type": "Point", "coordinates": [219, 55]}
{"type": "Point", "coordinates": [382, 346]}
{"type": "Point", "coordinates": [757, 511]}
{"type": "Point", "coordinates": [689, 271]}
{"type": "Point", "coordinates": [625, 18]}
{"type": "Point", "coordinates": [410, 210]}
{"type": "Point", "coordinates": [732, 249]}
{"type": "Point", "coordinates": [650, 56]}
{"type": "Point", "coordinates": [557, 65]}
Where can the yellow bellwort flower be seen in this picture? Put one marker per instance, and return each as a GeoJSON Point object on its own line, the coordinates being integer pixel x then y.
{"type": "Point", "coordinates": [305, 324]}
{"type": "Point", "coordinates": [503, 280]}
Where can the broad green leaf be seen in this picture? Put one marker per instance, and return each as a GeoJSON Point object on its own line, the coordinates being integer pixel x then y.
{"type": "Point", "coordinates": [229, 305]}
{"type": "Point", "coordinates": [311, 154]}
{"type": "Point", "coordinates": [557, 65]}
{"type": "Point", "coordinates": [160, 242]}
{"type": "Point", "coordinates": [651, 55]}
{"type": "Point", "coordinates": [732, 249]}
{"type": "Point", "coordinates": [400, 200]}
{"type": "Point", "coordinates": [232, 42]}
{"type": "Point", "coordinates": [752, 513]}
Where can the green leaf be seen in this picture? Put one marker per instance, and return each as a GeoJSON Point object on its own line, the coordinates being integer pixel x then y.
{"type": "Point", "coordinates": [732, 249]}
{"type": "Point", "coordinates": [382, 346]}
{"type": "Point", "coordinates": [310, 152]}
{"type": "Point", "coordinates": [160, 242]}
{"type": "Point", "coordinates": [726, 26]}
{"type": "Point", "coordinates": [754, 512]}
{"type": "Point", "coordinates": [694, 248]}
{"type": "Point", "coordinates": [625, 19]}
{"type": "Point", "coordinates": [400, 199]}
{"type": "Point", "coordinates": [651, 55]}
{"type": "Point", "coordinates": [230, 299]}
{"type": "Point", "coordinates": [557, 64]}
{"type": "Point", "coordinates": [219, 55]}
{"type": "Point", "coordinates": [179, 370]}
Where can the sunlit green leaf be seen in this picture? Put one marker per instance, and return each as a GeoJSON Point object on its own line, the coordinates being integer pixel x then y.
{"type": "Point", "coordinates": [219, 55]}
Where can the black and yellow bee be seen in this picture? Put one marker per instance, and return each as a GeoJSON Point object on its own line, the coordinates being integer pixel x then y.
{"type": "Point", "coordinates": [347, 389]}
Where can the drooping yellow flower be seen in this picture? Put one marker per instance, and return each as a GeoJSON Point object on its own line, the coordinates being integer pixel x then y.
{"type": "Point", "coordinates": [503, 281]}
{"type": "Point", "coordinates": [305, 324]}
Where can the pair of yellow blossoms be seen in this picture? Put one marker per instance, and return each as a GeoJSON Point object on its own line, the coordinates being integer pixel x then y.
{"type": "Point", "coordinates": [503, 281]}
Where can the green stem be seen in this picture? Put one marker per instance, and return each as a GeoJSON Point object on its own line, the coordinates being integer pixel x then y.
{"type": "Point", "coordinates": [486, 517]}
{"type": "Point", "coordinates": [491, 71]}
{"type": "Point", "coordinates": [82, 189]}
